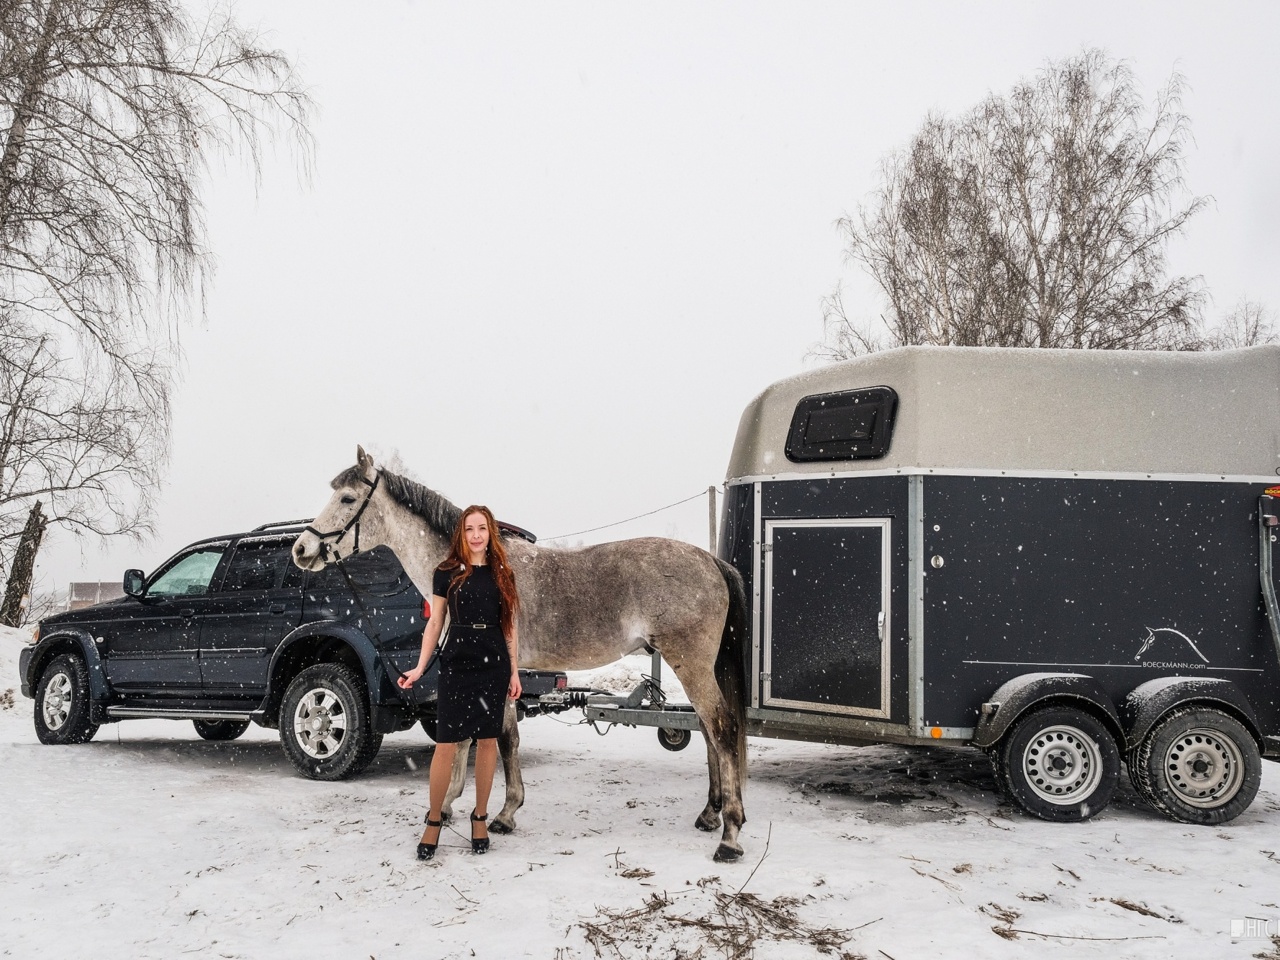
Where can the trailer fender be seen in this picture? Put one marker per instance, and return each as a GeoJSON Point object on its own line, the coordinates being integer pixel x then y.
{"type": "Point", "coordinates": [66, 641]}
{"type": "Point", "coordinates": [1018, 695]}
{"type": "Point", "coordinates": [1147, 703]}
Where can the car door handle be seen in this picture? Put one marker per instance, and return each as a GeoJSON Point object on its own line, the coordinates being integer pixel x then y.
{"type": "Point", "coordinates": [276, 608]}
{"type": "Point", "coordinates": [187, 614]}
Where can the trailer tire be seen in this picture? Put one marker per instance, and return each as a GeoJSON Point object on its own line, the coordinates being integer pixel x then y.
{"type": "Point", "coordinates": [1059, 764]}
{"type": "Point", "coordinates": [326, 726]}
{"type": "Point", "coordinates": [1197, 765]}
{"type": "Point", "coordinates": [673, 739]}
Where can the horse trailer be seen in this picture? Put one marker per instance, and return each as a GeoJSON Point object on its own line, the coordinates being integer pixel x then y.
{"type": "Point", "coordinates": [1062, 557]}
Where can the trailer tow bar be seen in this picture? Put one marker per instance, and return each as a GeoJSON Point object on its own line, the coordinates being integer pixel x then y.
{"type": "Point", "coordinates": [645, 706]}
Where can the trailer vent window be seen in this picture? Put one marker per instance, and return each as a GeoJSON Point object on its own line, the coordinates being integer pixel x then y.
{"type": "Point", "coordinates": [849, 425]}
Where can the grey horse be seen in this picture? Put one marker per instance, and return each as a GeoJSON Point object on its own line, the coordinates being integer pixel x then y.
{"type": "Point", "coordinates": [580, 608]}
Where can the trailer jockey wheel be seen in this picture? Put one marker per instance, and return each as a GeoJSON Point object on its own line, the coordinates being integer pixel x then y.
{"type": "Point", "coordinates": [1197, 765]}
{"type": "Point", "coordinates": [674, 740]}
{"type": "Point", "coordinates": [1059, 764]}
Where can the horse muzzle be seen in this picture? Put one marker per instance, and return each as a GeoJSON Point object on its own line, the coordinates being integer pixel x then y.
{"type": "Point", "coordinates": [309, 552]}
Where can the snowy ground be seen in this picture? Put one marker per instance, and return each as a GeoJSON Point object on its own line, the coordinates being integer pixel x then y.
{"type": "Point", "coordinates": [149, 842]}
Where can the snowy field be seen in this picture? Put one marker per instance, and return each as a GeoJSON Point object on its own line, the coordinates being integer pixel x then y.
{"type": "Point", "coordinates": [149, 842]}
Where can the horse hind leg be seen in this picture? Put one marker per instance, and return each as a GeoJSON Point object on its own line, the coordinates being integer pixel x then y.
{"type": "Point", "coordinates": [509, 749]}
{"type": "Point", "coordinates": [709, 818]}
{"type": "Point", "coordinates": [720, 726]}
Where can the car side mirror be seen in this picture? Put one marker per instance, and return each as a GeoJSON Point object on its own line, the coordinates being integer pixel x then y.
{"type": "Point", "coordinates": [133, 581]}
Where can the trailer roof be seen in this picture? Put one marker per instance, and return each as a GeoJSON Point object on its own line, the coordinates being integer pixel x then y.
{"type": "Point", "coordinates": [1097, 411]}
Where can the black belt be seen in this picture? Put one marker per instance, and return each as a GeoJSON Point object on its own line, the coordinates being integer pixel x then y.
{"type": "Point", "coordinates": [478, 626]}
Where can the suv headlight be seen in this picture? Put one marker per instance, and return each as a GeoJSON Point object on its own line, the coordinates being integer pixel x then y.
{"type": "Point", "coordinates": [35, 635]}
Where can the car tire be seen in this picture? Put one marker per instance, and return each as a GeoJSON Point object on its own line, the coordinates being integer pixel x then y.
{"type": "Point", "coordinates": [1059, 764]}
{"type": "Point", "coordinates": [63, 714]}
{"type": "Point", "coordinates": [431, 727]}
{"type": "Point", "coordinates": [1198, 765]}
{"type": "Point", "coordinates": [219, 730]}
{"type": "Point", "coordinates": [326, 726]}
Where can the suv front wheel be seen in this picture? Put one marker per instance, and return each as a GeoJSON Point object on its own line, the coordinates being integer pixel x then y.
{"type": "Point", "coordinates": [325, 725]}
{"type": "Point", "coordinates": [62, 702]}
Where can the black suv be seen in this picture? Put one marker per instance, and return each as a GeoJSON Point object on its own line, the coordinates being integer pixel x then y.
{"type": "Point", "coordinates": [230, 631]}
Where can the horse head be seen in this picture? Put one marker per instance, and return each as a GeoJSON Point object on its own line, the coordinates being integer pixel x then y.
{"type": "Point", "coordinates": [1146, 644]}
{"type": "Point", "coordinates": [352, 519]}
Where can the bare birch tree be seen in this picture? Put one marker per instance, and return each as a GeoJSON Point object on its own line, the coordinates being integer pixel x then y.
{"type": "Point", "coordinates": [1038, 219]}
{"type": "Point", "coordinates": [1247, 324]}
{"type": "Point", "coordinates": [109, 112]}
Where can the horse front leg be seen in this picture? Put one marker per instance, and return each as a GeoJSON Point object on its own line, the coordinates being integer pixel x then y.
{"type": "Point", "coordinates": [509, 749]}
{"type": "Point", "coordinates": [457, 779]}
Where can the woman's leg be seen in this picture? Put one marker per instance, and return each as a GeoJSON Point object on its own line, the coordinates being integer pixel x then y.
{"type": "Point", "coordinates": [441, 770]}
{"type": "Point", "coordinates": [486, 761]}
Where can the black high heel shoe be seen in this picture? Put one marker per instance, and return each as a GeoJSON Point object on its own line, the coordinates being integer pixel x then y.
{"type": "Point", "coordinates": [428, 850]}
{"type": "Point", "coordinates": [478, 844]}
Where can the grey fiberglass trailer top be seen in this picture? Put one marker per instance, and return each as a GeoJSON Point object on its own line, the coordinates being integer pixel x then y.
{"type": "Point", "coordinates": [1062, 557]}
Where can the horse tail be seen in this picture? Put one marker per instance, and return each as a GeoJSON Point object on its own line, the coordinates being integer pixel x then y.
{"type": "Point", "coordinates": [731, 662]}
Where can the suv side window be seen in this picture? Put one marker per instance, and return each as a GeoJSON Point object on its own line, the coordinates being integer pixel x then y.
{"type": "Point", "coordinates": [189, 577]}
{"type": "Point", "coordinates": [257, 565]}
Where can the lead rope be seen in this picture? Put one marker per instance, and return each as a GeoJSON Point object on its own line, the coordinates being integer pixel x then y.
{"type": "Point", "coordinates": [377, 635]}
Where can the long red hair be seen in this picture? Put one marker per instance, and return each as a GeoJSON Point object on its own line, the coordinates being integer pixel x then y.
{"type": "Point", "coordinates": [459, 559]}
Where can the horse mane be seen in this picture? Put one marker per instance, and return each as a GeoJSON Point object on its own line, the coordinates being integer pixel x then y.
{"type": "Point", "coordinates": [436, 510]}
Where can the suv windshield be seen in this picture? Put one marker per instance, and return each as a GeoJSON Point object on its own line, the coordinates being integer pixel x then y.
{"type": "Point", "coordinates": [188, 577]}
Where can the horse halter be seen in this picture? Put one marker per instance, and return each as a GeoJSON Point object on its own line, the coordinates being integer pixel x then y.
{"type": "Point", "coordinates": [337, 535]}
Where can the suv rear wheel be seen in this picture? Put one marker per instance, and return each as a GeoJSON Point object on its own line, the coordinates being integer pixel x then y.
{"type": "Point", "coordinates": [220, 729]}
{"type": "Point", "coordinates": [325, 724]}
{"type": "Point", "coordinates": [62, 702]}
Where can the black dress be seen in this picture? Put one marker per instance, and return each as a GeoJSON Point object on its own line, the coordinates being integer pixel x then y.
{"type": "Point", "coordinates": [475, 665]}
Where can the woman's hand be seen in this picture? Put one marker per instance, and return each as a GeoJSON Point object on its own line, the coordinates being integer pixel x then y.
{"type": "Point", "coordinates": [407, 680]}
{"type": "Point", "coordinates": [514, 689]}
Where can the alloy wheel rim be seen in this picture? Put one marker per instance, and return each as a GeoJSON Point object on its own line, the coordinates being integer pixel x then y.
{"type": "Point", "coordinates": [56, 707]}
{"type": "Point", "coordinates": [320, 723]}
{"type": "Point", "coordinates": [1062, 765]}
{"type": "Point", "coordinates": [1204, 768]}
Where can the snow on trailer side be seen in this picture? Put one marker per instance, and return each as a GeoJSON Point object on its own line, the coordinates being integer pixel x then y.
{"type": "Point", "coordinates": [923, 527]}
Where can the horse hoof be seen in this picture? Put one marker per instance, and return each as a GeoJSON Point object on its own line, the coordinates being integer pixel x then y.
{"type": "Point", "coordinates": [501, 826]}
{"type": "Point", "coordinates": [727, 854]}
{"type": "Point", "coordinates": [707, 822]}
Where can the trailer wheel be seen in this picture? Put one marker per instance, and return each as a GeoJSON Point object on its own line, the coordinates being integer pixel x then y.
{"type": "Point", "coordinates": [1059, 764]}
{"type": "Point", "coordinates": [674, 740]}
{"type": "Point", "coordinates": [1198, 765]}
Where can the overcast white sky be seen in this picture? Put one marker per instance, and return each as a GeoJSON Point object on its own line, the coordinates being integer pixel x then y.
{"type": "Point", "coordinates": [551, 251]}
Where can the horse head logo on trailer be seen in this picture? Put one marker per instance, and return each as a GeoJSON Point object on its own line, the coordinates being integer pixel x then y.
{"type": "Point", "coordinates": [1153, 635]}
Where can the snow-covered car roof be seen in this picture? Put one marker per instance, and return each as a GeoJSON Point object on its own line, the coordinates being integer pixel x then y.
{"type": "Point", "coordinates": [1005, 409]}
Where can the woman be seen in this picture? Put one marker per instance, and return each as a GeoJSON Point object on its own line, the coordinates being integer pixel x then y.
{"type": "Point", "coordinates": [478, 661]}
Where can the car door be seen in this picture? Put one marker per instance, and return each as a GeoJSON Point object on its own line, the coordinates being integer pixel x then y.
{"type": "Point", "coordinates": [258, 601]}
{"type": "Point", "coordinates": [152, 647]}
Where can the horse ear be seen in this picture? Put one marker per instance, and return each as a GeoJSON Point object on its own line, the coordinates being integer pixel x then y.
{"type": "Point", "coordinates": [363, 460]}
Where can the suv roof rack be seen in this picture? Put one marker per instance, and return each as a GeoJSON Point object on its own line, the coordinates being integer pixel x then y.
{"type": "Point", "coordinates": [282, 523]}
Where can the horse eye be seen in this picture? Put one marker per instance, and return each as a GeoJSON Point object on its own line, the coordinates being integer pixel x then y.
{"type": "Point", "coordinates": [348, 499]}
